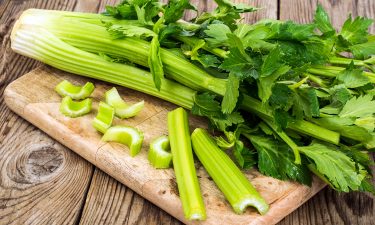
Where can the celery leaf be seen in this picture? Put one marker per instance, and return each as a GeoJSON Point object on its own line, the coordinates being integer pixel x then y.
{"type": "Point", "coordinates": [322, 20]}
{"type": "Point", "coordinates": [337, 167]}
{"type": "Point", "coordinates": [360, 106]}
{"type": "Point", "coordinates": [155, 63]}
{"type": "Point", "coordinates": [276, 159]}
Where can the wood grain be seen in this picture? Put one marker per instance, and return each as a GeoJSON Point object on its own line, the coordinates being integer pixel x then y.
{"type": "Point", "coordinates": [303, 10]}
{"type": "Point", "coordinates": [110, 202]}
{"type": "Point", "coordinates": [41, 182]}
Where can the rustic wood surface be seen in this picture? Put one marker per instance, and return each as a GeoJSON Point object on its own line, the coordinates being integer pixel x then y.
{"type": "Point", "coordinates": [37, 177]}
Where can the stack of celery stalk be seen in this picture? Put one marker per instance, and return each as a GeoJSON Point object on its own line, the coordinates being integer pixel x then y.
{"type": "Point", "coordinates": [290, 99]}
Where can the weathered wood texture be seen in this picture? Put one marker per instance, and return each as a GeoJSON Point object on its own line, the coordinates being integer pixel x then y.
{"type": "Point", "coordinates": [303, 10]}
{"type": "Point", "coordinates": [41, 182]}
{"type": "Point", "coordinates": [327, 207]}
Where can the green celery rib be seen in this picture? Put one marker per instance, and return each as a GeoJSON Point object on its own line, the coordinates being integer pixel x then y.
{"type": "Point", "coordinates": [170, 69]}
{"type": "Point", "coordinates": [346, 61]}
{"type": "Point", "coordinates": [333, 71]}
{"type": "Point", "coordinates": [228, 177]}
{"type": "Point", "coordinates": [83, 35]}
{"type": "Point", "coordinates": [183, 164]}
{"type": "Point", "coordinates": [40, 44]}
{"type": "Point", "coordinates": [301, 126]}
{"type": "Point", "coordinates": [95, 38]}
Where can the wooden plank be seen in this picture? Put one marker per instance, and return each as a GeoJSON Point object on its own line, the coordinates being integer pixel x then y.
{"type": "Point", "coordinates": [328, 206]}
{"type": "Point", "coordinates": [40, 105]}
{"type": "Point", "coordinates": [110, 202]}
{"type": "Point", "coordinates": [303, 11]}
{"type": "Point", "coordinates": [41, 182]}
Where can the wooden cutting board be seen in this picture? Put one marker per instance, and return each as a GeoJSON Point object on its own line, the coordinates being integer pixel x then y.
{"type": "Point", "coordinates": [33, 97]}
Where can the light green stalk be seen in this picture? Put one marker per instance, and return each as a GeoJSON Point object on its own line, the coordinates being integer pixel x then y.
{"type": "Point", "coordinates": [183, 164]}
{"type": "Point", "coordinates": [227, 176]}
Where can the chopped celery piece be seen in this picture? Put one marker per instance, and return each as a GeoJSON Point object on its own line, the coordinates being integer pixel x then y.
{"type": "Point", "coordinates": [183, 164]}
{"type": "Point", "coordinates": [159, 154]}
{"type": "Point", "coordinates": [122, 109]}
{"type": "Point", "coordinates": [65, 88]}
{"type": "Point", "coordinates": [71, 108]}
{"type": "Point", "coordinates": [126, 135]}
{"type": "Point", "coordinates": [104, 118]}
{"type": "Point", "coordinates": [228, 177]}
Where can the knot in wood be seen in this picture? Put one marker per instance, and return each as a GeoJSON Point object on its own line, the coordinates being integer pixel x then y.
{"type": "Point", "coordinates": [36, 165]}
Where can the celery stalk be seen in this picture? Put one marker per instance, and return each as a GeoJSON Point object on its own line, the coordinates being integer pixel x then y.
{"type": "Point", "coordinates": [183, 164]}
{"type": "Point", "coordinates": [40, 44]}
{"type": "Point", "coordinates": [159, 154]}
{"type": "Point", "coordinates": [126, 135]}
{"type": "Point", "coordinates": [65, 88]}
{"type": "Point", "coordinates": [94, 38]}
{"type": "Point", "coordinates": [83, 35]}
{"type": "Point", "coordinates": [228, 177]}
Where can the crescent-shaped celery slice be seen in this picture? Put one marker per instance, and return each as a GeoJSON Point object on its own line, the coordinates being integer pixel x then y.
{"type": "Point", "coordinates": [65, 88]}
{"type": "Point", "coordinates": [71, 108]}
{"type": "Point", "coordinates": [122, 109]}
{"type": "Point", "coordinates": [159, 154]}
{"type": "Point", "coordinates": [126, 135]}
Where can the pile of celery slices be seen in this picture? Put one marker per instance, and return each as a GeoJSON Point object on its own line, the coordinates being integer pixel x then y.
{"type": "Point", "coordinates": [290, 99]}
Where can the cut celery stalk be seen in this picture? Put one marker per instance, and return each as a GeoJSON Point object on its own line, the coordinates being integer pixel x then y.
{"type": "Point", "coordinates": [228, 177]}
{"type": "Point", "coordinates": [159, 154]}
{"type": "Point", "coordinates": [82, 34]}
{"type": "Point", "coordinates": [38, 43]}
{"type": "Point", "coordinates": [122, 109]}
{"type": "Point", "coordinates": [104, 118]}
{"type": "Point", "coordinates": [183, 164]}
{"type": "Point", "coordinates": [71, 108]}
{"type": "Point", "coordinates": [65, 88]}
{"type": "Point", "coordinates": [126, 135]}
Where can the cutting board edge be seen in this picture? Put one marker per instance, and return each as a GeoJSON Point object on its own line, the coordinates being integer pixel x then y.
{"type": "Point", "coordinates": [20, 110]}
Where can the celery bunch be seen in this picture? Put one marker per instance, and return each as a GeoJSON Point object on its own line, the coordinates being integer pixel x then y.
{"type": "Point", "coordinates": [284, 86]}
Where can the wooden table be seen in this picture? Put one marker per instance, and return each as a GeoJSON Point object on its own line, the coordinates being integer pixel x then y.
{"type": "Point", "coordinates": [42, 182]}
